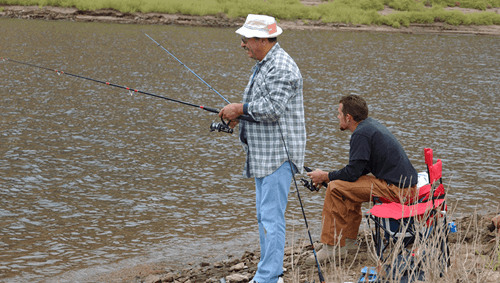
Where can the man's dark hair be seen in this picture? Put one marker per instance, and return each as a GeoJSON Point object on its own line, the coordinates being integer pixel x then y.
{"type": "Point", "coordinates": [273, 39]}
{"type": "Point", "coordinates": [355, 106]}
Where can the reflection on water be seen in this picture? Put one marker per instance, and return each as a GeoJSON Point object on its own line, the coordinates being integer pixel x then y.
{"type": "Point", "coordinates": [90, 175]}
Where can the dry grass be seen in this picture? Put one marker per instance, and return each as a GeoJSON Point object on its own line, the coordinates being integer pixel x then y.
{"type": "Point", "coordinates": [474, 256]}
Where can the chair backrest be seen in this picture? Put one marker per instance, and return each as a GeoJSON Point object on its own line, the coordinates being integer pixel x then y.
{"type": "Point", "coordinates": [435, 171]}
{"type": "Point", "coordinates": [428, 153]}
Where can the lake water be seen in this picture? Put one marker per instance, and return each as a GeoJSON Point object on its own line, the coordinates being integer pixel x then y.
{"type": "Point", "coordinates": [93, 179]}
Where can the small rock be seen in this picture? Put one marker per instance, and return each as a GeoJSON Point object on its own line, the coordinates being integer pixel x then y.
{"type": "Point", "coordinates": [203, 264]}
{"type": "Point", "coordinates": [230, 262]}
{"type": "Point", "coordinates": [237, 267]}
{"type": "Point", "coordinates": [169, 277]}
{"type": "Point", "coordinates": [196, 270]}
{"type": "Point", "coordinates": [247, 254]}
{"type": "Point", "coordinates": [295, 250]}
{"type": "Point", "coordinates": [236, 278]}
{"type": "Point", "coordinates": [152, 279]}
{"type": "Point", "coordinates": [218, 264]}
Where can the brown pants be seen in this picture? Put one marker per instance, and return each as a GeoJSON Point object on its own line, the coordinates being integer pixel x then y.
{"type": "Point", "coordinates": [342, 207]}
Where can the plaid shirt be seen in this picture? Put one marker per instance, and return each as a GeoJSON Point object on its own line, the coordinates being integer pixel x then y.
{"type": "Point", "coordinates": [273, 97]}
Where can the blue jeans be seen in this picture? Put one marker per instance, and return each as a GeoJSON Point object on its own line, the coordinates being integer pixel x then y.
{"type": "Point", "coordinates": [271, 200]}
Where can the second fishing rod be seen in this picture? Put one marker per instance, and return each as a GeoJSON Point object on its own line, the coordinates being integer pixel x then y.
{"type": "Point", "coordinates": [224, 127]}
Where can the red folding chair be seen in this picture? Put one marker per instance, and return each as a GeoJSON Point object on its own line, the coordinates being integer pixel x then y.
{"type": "Point", "coordinates": [397, 225]}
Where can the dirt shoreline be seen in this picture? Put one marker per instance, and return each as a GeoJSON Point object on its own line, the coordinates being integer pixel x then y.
{"type": "Point", "coordinates": [221, 20]}
{"type": "Point", "coordinates": [471, 231]}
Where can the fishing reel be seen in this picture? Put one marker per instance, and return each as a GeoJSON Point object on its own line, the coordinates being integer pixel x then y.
{"type": "Point", "coordinates": [221, 127]}
{"type": "Point", "coordinates": [309, 184]}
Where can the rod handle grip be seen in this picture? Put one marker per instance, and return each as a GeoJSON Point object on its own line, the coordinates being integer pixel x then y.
{"type": "Point", "coordinates": [242, 117]}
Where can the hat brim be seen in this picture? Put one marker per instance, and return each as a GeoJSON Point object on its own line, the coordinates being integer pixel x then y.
{"type": "Point", "coordinates": [249, 33]}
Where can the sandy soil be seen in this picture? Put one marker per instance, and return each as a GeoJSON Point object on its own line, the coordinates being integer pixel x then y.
{"type": "Point", "coordinates": [221, 20]}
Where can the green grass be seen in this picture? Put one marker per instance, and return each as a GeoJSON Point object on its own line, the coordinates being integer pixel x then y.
{"type": "Point", "coordinates": [334, 11]}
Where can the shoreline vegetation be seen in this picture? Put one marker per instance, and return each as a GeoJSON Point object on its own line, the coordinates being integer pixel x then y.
{"type": "Point", "coordinates": [477, 17]}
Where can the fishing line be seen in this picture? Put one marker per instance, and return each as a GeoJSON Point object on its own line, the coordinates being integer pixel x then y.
{"type": "Point", "coordinates": [209, 86]}
{"type": "Point", "coordinates": [131, 90]}
{"type": "Point", "coordinates": [220, 127]}
{"type": "Point", "coordinates": [320, 274]}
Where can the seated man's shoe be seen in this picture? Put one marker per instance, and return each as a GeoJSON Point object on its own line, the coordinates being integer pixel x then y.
{"type": "Point", "coordinates": [323, 255]}
{"type": "Point", "coordinates": [351, 245]}
{"type": "Point", "coordinates": [327, 252]}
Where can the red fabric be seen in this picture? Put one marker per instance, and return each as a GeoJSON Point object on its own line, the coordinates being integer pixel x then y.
{"type": "Point", "coordinates": [397, 211]}
{"type": "Point", "coordinates": [425, 191]}
{"type": "Point", "coordinates": [428, 156]}
{"type": "Point", "coordinates": [435, 171]}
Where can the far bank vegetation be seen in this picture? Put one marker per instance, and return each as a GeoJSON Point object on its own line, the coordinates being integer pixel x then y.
{"type": "Point", "coordinates": [333, 11]}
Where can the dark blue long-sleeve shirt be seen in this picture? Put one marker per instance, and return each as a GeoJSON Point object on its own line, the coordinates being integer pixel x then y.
{"type": "Point", "coordinates": [374, 149]}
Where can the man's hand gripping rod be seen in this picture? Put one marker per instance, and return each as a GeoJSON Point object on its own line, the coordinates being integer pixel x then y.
{"type": "Point", "coordinates": [224, 127]}
{"type": "Point", "coordinates": [310, 185]}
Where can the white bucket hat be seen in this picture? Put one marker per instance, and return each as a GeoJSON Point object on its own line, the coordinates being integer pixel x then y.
{"type": "Point", "coordinates": [259, 26]}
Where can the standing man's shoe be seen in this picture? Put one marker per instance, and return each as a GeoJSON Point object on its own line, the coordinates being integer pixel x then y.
{"type": "Point", "coordinates": [280, 280]}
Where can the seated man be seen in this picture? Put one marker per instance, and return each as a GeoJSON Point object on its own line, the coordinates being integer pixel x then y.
{"type": "Point", "coordinates": [373, 149]}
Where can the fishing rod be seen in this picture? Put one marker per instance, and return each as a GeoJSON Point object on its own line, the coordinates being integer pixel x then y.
{"type": "Point", "coordinates": [209, 86]}
{"type": "Point", "coordinates": [213, 127]}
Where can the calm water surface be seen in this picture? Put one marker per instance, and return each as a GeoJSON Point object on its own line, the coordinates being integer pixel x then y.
{"type": "Point", "coordinates": [92, 178]}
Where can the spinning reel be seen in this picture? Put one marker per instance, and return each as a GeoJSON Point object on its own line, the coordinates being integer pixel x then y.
{"type": "Point", "coordinates": [309, 184]}
{"type": "Point", "coordinates": [221, 127]}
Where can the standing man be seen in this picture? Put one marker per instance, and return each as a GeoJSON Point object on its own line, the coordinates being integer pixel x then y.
{"type": "Point", "coordinates": [273, 97]}
{"type": "Point", "coordinates": [373, 149]}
